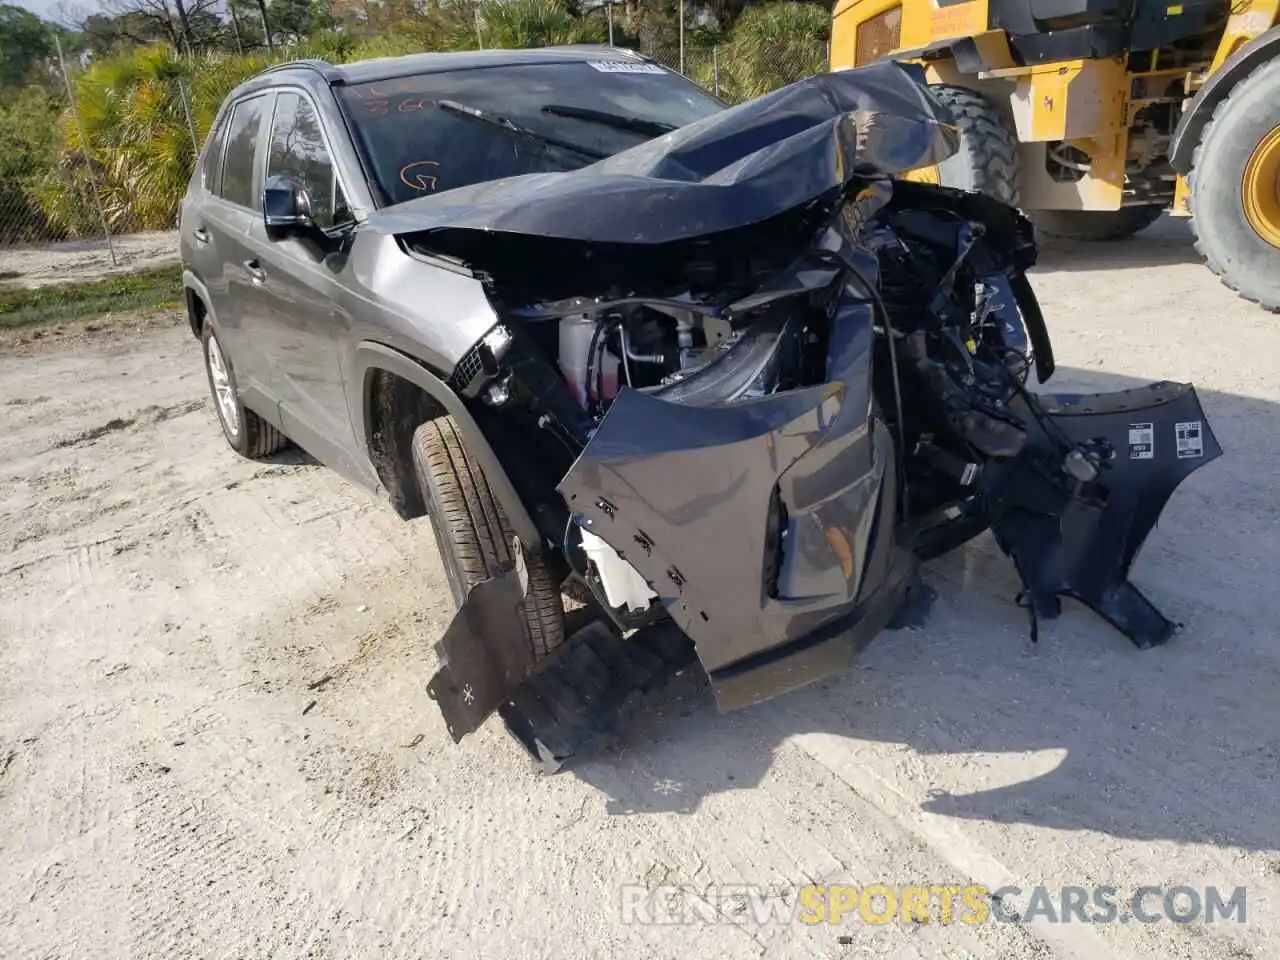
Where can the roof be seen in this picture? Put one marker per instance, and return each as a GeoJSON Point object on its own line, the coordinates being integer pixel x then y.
{"type": "Point", "coordinates": [416, 64]}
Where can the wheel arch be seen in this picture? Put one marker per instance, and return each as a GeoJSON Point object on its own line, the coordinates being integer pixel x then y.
{"type": "Point", "coordinates": [196, 296]}
{"type": "Point", "coordinates": [396, 395]}
{"type": "Point", "coordinates": [1244, 61]}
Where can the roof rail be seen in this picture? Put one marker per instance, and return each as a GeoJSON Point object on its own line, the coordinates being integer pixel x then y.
{"type": "Point", "coordinates": [322, 67]}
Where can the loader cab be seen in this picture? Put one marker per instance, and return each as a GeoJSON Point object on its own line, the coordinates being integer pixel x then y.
{"type": "Point", "coordinates": [1043, 31]}
{"type": "Point", "coordinates": [1036, 31]}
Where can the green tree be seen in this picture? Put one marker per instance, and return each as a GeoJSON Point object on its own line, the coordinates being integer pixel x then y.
{"type": "Point", "coordinates": [26, 44]}
{"type": "Point", "coordinates": [530, 23]}
{"type": "Point", "coordinates": [28, 153]}
{"type": "Point", "coordinates": [294, 20]}
{"type": "Point", "coordinates": [773, 44]}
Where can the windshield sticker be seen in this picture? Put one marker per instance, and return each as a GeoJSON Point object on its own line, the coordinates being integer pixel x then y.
{"type": "Point", "coordinates": [623, 66]}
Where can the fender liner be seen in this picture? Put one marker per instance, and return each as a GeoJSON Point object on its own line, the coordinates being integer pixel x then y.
{"type": "Point", "coordinates": [371, 356]}
{"type": "Point", "coordinates": [1255, 53]}
{"type": "Point", "coordinates": [193, 284]}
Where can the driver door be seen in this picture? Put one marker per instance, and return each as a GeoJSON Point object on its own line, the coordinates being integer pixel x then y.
{"type": "Point", "coordinates": [303, 326]}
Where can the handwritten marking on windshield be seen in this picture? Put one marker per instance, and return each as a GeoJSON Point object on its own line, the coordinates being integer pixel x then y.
{"type": "Point", "coordinates": [421, 180]}
{"type": "Point", "coordinates": [414, 104]}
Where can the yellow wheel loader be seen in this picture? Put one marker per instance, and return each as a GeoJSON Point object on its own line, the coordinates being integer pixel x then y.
{"type": "Point", "coordinates": [1095, 116]}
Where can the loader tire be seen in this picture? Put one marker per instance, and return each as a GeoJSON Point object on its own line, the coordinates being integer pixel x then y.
{"type": "Point", "coordinates": [1235, 189]}
{"type": "Point", "coordinates": [1096, 225]}
{"type": "Point", "coordinates": [987, 161]}
{"type": "Point", "coordinates": [472, 533]}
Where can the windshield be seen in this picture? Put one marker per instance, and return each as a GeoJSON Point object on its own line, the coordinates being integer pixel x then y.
{"type": "Point", "coordinates": [438, 131]}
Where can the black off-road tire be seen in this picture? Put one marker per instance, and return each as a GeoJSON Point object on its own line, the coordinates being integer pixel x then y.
{"type": "Point", "coordinates": [472, 533]}
{"type": "Point", "coordinates": [1243, 261]}
{"type": "Point", "coordinates": [1096, 225]}
{"type": "Point", "coordinates": [987, 161]}
{"type": "Point", "coordinates": [250, 436]}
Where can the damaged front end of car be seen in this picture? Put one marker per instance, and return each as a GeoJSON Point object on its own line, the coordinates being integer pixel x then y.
{"type": "Point", "coordinates": [748, 382]}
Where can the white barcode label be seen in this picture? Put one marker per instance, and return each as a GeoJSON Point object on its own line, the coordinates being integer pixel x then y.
{"type": "Point", "coordinates": [1142, 441]}
{"type": "Point", "coordinates": [623, 66]}
{"type": "Point", "coordinates": [1190, 439]}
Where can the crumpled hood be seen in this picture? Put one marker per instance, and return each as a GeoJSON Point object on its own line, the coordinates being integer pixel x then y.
{"type": "Point", "coordinates": [734, 168]}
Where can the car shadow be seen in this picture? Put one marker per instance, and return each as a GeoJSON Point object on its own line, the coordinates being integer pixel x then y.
{"type": "Point", "coordinates": [1166, 242]}
{"type": "Point", "coordinates": [1174, 743]}
{"type": "Point", "coordinates": [291, 455]}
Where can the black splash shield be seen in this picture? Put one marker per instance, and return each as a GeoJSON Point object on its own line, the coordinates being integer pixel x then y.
{"type": "Point", "coordinates": [1081, 539]}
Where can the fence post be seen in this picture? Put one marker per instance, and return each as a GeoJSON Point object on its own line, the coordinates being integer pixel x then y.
{"type": "Point", "coordinates": [479, 37]}
{"type": "Point", "coordinates": [682, 38]}
{"type": "Point", "coordinates": [84, 143]}
{"type": "Point", "coordinates": [715, 67]}
{"type": "Point", "coordinates": [186, 109]}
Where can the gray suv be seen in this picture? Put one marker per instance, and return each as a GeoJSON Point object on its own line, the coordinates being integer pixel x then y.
{"type": "Point", "coordinates": [717, 375]}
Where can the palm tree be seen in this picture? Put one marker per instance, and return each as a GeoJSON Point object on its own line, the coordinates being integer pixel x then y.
{"type": "Point", "coordinates": [774, 44]}
{"type": "Point", "coordinates": [531, 23]}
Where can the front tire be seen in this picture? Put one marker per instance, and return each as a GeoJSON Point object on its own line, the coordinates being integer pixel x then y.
{"type": "Point", "coordinates": [246, 432]}
{"type": "Point", "coordinates": [1099, 226]}
{"type": "Point", "coordinates": [472, 533]}
{"type": "Point", "coordinates": [1235, 189]}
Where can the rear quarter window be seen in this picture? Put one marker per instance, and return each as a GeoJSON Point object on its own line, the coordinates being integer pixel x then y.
{"type": "Point", "coordinates": [211, 156]}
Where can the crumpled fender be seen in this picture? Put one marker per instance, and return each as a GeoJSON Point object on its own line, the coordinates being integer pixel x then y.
{"type": "Point", "coordinates": [689, 495]}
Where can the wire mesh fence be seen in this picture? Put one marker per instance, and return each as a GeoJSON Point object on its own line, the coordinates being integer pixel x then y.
{"type": "Point", "coordinates": [700, 64]}
{"type": "Point", "coordinates": [84, 172]}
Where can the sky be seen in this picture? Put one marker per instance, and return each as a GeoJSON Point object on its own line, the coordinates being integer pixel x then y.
{"type": "Point", "coordinates": [47, 9]}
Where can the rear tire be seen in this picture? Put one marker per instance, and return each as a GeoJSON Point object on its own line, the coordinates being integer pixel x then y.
{"type": "Point", "coordinates": [1096, 225]}
{"type": "Point", "coordinates": [987, 161]}
{"type": "Point", "coordinates": [246, 432]}
{"type": "Point", "coordinates": [1235, 232]}
{"type": "Point", "coordinates": [472, 533]}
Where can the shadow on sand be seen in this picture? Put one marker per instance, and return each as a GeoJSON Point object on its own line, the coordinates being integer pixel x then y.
{"type": "Point", "coordinates": [1176, 743]}
{"type": "Point", "coordinates": [1166, 242]}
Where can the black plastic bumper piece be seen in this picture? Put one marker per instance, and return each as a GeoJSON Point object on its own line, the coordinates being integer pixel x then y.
{"type": "Point", "coordinates": [1080, 539]}
{"type": "Point", "coordinates": [485, 652]}
{"type": "Point", "coordinates": [570, 707]}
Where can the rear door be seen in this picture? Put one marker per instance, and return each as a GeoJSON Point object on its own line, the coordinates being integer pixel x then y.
{"type": "Point", "coordinates": [233, 208]}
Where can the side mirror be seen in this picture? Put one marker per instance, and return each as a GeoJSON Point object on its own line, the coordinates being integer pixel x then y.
{"type": "Point", "coordinates": [286, 208]}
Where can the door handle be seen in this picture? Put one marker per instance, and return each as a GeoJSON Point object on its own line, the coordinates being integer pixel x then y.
{"type": "Point", "coordinates": [201, 235]}
{"type": "Point", "coordinates": [256, 273]}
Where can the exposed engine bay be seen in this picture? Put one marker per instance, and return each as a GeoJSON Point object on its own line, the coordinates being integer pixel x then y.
{"type": "Point", "coordinates": [956, 348]}
{"type": "Point", "coordinates": [756, 433]}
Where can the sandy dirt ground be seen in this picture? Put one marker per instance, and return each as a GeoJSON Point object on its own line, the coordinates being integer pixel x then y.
{"type": "Point", "coordinates": [87, 259]}
{"type": "Point", "coordinates": [215, 740]}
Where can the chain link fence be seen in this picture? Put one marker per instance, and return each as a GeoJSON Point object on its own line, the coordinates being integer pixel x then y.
{"type": "Point", "coordinates": [700, 64]}
{"type": "Point", "coordinates": [90, 180]}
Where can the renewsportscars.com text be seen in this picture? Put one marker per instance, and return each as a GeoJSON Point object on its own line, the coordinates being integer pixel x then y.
{"type": "Point", "coordinates": [935, 903]}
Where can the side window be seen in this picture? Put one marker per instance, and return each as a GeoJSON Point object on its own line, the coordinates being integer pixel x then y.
{"type": "Point", "coordinates": [242, 148]}
{"type": "Point", "coordinates": [298, 152]}
{"type": "Point", "coordinates": [211, 164]}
